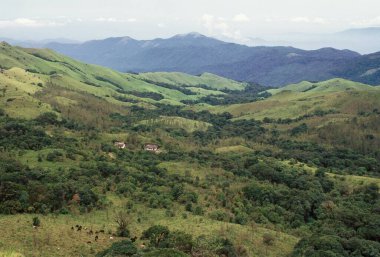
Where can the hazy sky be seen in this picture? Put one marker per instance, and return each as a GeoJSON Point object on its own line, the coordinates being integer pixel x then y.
{"type": "Point", "coordinates": [146, 19]}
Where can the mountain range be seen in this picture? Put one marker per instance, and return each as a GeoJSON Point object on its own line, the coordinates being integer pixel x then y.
{"type": "Point", "coordinates": [194, 53]}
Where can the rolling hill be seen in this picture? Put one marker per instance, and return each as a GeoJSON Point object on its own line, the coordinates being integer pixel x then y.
{"type": "Point", "coordinates": [195, 54]}
{"type": "Point", "coordinates": [336, 95]}
{"type": "Point", "coordinates": [25, 72]}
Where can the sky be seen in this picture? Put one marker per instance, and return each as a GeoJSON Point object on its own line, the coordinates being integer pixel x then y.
{"type": "Point", "coordinates": [237, 20]}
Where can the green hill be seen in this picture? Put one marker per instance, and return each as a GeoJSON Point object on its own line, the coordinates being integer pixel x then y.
{"type": "Point", "coordinates": [333, 85]}
{"type": "Point", "coordinates": [296, 100]}
{"type": "Point", "coordinates": [206, 79]}
{"type": "Point", "coordinates": [32, 70]}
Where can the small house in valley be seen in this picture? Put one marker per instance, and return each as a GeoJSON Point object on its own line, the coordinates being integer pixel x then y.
{"type": "Point", "coordinates": [120, 145]}
{"type": "Point", "coordinates": [151, 147]}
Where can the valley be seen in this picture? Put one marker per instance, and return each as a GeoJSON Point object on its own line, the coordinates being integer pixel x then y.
{"type": "Point", "coordinates": [242, 169]}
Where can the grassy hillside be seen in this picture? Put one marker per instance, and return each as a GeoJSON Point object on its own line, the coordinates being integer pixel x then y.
{"type": "Point", "coordinates": [293, 101]}
{"type": "Point", "coordinates": [177, 122]}
{"type": "Point", "coordinates": [206, 79]}
{"type": "Point", "coordinates": [34, 70]}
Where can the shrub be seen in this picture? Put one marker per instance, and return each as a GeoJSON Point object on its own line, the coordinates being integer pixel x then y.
{"type": "Point", "coordinates": [36, 221]}
{"type": "Point", "coordinates": [299, 129]}
{"type": "Point", "coordinates": [198, 210]}
{"type": "Point", "coordinates": [54, 156]}
{"type": "Point", "coordinates": [122, 248]}
{"type": "Point", "coordinates": [268, 239]}
{"type": "Point", "coordinates": [47, 118]}
{"type": "Point", "coordinates": [165, 253]}
{"type": "Point", "coordinates": [180, 241]}
{"type": "Point", "coordinates": [156, 235]}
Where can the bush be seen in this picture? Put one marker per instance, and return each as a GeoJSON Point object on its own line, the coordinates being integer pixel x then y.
{"type": "Point", "coordinates": [299, 129]}
{"type": "Point", "coordinates": [36, 222]}
{"type": "Point", "coordinates": [268, 239]}
{"type": "Point", "coordinates": [47, 118]}
{"type": "Point", "coordinates": [156, 235]}
{"type": "Point", "coordinates": [165, 253]}
{"type": "Point", "coordinates": [54, 156]}
{"type": "Point", "coordinates": [180, 241]}
{"type": "Point", "coordinates": [122, 248]}
{"type": "Point", "coordinates": [198, 210]}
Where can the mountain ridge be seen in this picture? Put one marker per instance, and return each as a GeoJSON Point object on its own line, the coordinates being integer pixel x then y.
{"type": "Point", "coordinates": [195, 53]}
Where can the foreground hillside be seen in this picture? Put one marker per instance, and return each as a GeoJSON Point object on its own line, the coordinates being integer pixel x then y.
{"type": "Point", "coordinates": [80, 174]}
{"type": "Point", "coordinates": [195, 54]}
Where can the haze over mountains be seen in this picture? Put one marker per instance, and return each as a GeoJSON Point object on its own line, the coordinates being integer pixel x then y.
{"type": "Point", "coordinates": [268, 64]}
{"type": "Point", "coordinates": [363, 40]}
{"type": "Point", "coordinates": [194, 53]}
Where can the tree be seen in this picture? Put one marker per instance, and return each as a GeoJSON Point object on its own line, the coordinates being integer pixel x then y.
{"type": "Point", "coordinates": [156, 235]}
{"type": "Point", "coordinates": [181, 241]}
{"type": "Point", "coordinates": [122, 219]}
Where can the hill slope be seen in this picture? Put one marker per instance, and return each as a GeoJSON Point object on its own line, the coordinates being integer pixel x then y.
{"type": "Point", "coordinates": [31, 70]}
{"type": "Point", "coordinates": [296, 100]}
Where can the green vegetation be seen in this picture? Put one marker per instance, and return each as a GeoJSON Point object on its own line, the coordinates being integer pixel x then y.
{"type": "Point", "coordinates": [177, 122]}
{"type": "Point", "coordinates": [27, 71]}
{"type": "Point", "coordinates": [305, 184]}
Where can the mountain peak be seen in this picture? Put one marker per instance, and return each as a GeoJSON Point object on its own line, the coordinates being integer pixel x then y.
{"type": "Point", "coordinates": [126, 39]}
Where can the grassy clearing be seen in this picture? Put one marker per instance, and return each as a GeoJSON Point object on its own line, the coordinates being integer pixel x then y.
{"type": "Point", "coordinates": [235, 149]}
{"type": "Point", "coordinates": [178, 122]}
{"type": "Point", "coordinates": [30, 158]}
{"type": "Point", "coordinates": [192, 170]}
{"type": "Point", "coordinates": [177, 78]}
{"type": "Point", "coordinates": [356, 181]}
{"type": "Point", "coordinates": [16, 94]}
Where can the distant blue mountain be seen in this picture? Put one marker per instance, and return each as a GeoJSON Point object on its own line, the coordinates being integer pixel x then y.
{"type": "Point", "coordinates": [195, 53]}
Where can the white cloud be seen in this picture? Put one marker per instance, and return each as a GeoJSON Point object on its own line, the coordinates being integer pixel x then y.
{"type": "Point", "coordinates": [367, 22]}
{"type": "Point", "coordinates": [214, 24]}
{"type": "Point", "coordinates": [103, 19]}
{"type": "Point", "coordinates": [218, 26]}
{"type": "Point", "coordinates": [31, 23]}
{"type": "Point", "coordinates": [241, 18]}
{"type": "Point", "coordinates": [320, 20]}
{"type": "Point", "coordinates": [303, 19]}
{"type": "Point", "coordinates": [112, 19]}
